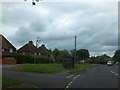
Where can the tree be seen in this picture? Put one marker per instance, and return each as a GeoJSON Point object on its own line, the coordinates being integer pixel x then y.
{"type": "Point", "coordinates": [82, 54]}
{"type": "Point", "coordinates": [60, 54]}
{"type": "Point", "coordinates": [55, 53]}
{"type": "Point", "coordinates": [64, 53]}
{"type": "Point", "coordinates": [116, 56]}
{"type": "Point", "coordinates": [72, 52]}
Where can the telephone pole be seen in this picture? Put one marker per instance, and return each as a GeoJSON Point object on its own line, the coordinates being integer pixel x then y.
{"type": "Point", "coordinates": [74, 55]}
{"type": "Point", "coordinates": [75, 50]}
{"type": "Point", "coordinates": [75, 43]}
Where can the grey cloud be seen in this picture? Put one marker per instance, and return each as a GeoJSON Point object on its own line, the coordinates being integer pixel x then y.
{"type": "Point", "coordinates": [94, 24]}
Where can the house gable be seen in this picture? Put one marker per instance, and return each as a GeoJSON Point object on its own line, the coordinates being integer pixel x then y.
{"type": "Point", "coordinates": [6, 46]}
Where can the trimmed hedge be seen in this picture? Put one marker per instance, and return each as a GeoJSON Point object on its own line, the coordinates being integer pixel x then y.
{"type": "Point", "coordinates": [21, 59]}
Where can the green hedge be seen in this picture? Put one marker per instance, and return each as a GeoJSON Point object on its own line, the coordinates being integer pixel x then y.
{"type": "Point", "coordinates": [99, 61]}
{"type": "Point", "coordinates": [21, 59]}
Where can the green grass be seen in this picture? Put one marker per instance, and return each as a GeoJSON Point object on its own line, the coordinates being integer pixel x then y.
{"type": "Point", "coordinates": [39, 68]}
{"type": "Point", "coordinates": [7, 82]}
{"type": "Point", "coordinates": [51, 68]}
{"type": "Point", "coordinates": [81, 68]}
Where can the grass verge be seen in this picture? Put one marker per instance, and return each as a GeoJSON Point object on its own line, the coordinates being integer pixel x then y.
{"type": "Point", "coordinates": [7, 81]}
{"type": "Point", "coordinates": [39, 68]}
{"type": "Point", "coordinates": [51, 68]}
{"type": "Point", "coordinates": [81, 68]}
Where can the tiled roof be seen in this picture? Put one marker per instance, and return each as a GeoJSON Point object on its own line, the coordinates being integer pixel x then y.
{"type": "Point", "coordinates": [43, 50]}
{"type": "Point", "coordinates": [29, 47]}
{"type": "Point", "coordinates": [5, 43]}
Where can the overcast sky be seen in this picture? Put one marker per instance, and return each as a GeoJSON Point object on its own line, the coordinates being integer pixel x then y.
{"type": "Point", "coordinates": [56, 23]}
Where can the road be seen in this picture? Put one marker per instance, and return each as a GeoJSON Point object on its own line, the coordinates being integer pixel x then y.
{"type": "Point", "coordinates": [102, 76]}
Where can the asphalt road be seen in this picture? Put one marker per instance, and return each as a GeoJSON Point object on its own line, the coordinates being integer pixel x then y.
{"type": "Point", "coordinates": [99, 77]}
{"type": "Point", "coordinates": [102, 76]}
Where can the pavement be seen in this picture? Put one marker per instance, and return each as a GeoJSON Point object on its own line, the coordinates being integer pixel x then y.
{"type": "Point", "coordinates": [102, 76]}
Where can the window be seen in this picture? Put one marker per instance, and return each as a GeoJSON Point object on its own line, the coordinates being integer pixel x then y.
{"type": "Point", "coordinates": [11, 51]}
{"type": "Point", "coordinates": [3, 50]}
{"type": "Point", "coordinates": [35, 53]}
{"type": "Point", "coordinates": [23, 53]}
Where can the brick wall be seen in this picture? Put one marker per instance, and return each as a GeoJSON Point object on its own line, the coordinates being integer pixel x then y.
{"type": "Point", "coordinates": [8, 61]}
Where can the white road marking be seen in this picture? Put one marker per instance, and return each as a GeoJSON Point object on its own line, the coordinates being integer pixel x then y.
{"type": "Point", "coordinates": [67, 87]}
{"type": "Point", "coordinates": [71, 81]}
{"type": "Point", "coordinates": [114, 73]}
{"type": "Point", "coordinates": [69, 76]}
{"type": "Point", "coordinates": [69, 84]}
{"type": "Point", "coordinates": [76, 77]}
{"type": "Point", "coordinates": [35, 86]}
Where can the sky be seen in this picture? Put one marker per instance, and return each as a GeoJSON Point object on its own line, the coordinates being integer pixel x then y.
{"type": "Point", "coordinates": [95, 24]}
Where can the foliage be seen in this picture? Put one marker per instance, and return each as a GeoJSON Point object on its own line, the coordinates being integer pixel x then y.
{"type": "Point", "coordinates": [21, 59]}
{"type": "Point", "coordinates": [99, 61]}
{"type": "Point", "coordinates": [60, 54]}
{"type": "Point", "coordinates": [63, 53]}
{"type": "Point", "coordinates": [82, 54]}
{"type": "Point", "coordinates": [55, 53]}
{"type": "Point", "coordinates": [72, 52]}
{"type": "Point", "coordinates": [116, 56]}
{"type": "Point", "coordinates": [103, 59]}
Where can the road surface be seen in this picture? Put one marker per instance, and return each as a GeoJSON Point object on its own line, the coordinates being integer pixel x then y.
{"type": "Point", "coordinates": [102, 76]}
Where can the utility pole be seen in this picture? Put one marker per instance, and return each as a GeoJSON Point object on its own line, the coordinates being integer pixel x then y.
{"type": "Point", "coordinates": [75, 52]}
{"type": "Point", "coordinates": [75, 43]}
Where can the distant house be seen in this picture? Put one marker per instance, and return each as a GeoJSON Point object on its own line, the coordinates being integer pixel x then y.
{"type": "Point", "coordinates": [43, 51]}
{"type": "Point", "coordinates": [28, 49]}
{"type": "Point", "coordinates": [6, 46]}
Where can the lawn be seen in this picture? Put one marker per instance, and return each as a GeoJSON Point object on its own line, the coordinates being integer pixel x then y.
{"type": "Point", "coordinates": [7, 81]}
{"type": "Point", "coordinates": [39, 68]}
{"type": "Point", "coordinates": [51, 68]}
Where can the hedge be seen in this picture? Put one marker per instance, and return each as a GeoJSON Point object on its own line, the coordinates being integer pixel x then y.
{"type": "Point", "coordinates": [21, 59]}
{"type": "Point", "coordinates": [99, 61]}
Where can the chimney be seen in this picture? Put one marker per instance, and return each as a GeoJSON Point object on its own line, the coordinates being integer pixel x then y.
{"type": "Point", "coordinates": [43, 44]}
{"type": "Point", "coordinates": [30, 41]}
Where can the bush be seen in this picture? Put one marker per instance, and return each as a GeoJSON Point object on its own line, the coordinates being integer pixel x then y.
{"type": "Point", "coordinates": [98, 61]}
